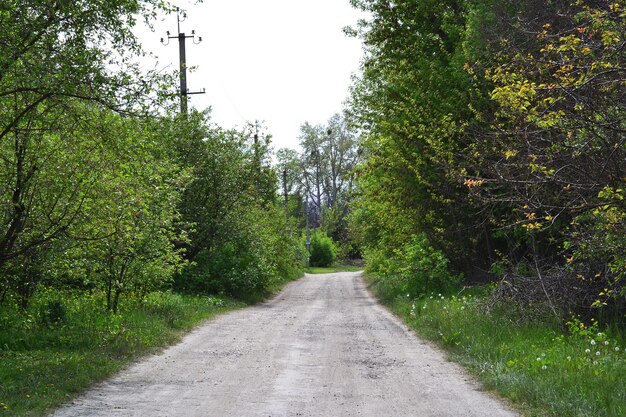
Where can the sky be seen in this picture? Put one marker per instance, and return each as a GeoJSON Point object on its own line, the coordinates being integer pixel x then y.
{"type": "Point", "coordinates": [281, 62]}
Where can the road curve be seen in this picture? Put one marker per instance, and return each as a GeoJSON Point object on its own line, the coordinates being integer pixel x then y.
{"type": "Point", "coordinates": [322, 348]}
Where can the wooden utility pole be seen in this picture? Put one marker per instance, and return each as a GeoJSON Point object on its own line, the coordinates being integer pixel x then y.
{"type": "Point", "coordinates": [307, 242]}
{"type": "Point", "coordinates": [286, 195]}
{"type": "Point", "coordinates": [182, 53]}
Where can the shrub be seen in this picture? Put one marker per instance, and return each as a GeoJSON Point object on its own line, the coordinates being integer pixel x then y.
{"type": "Point", "coordinates": [424, 269]}
{"type": "Point", "coordinates": [53, 313]}
{"type": "Point", "coordinates": [414, 268]}
{"type": "Point", "coordinates": [323, 250]}
{"type": "Point", "coordinates": [258, 253]}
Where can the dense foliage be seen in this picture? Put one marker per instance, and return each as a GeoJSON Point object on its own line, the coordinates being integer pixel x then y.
{"type": "Point", "coordinates": [103, 188]}
{"type": "Point", "coordinates": [412, 103]}
{"type": "Point", "coordinates": [494, 138]}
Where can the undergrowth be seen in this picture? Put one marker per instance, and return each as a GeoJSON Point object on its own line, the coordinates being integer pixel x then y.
{"type": "Point", "coordinates": [544, 367]}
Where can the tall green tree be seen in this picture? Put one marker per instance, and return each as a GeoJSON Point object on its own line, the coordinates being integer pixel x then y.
{"type": "Point", "coordinates": [495, 130]}
{"type": "Point", "coordinates": [102, 188]}
{"type": "Point", "coordinates": [61, 63]}
{"type": "Point", "coordinates": [413, 103]}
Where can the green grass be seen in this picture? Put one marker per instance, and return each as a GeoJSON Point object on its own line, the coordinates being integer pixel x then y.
{"type": "Point", "coordinates": [539, 368]}
{"type": "Point", "coordinates": [332, 269]}
{"type": "Point", "coordinates": [43, 365]}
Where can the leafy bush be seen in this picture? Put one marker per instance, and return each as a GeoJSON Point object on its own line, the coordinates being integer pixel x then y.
{"type": "Point", "coordinates": [237, 269]}
{"type": "Point", "coordinates": [414, 268]}
{"type": "Point", "coordinates": [323, 250]}
{"type": "Point", "coordinates": [424, 269]}
{"type": "Point", "coordinates": [53, 313]}
{"type": "Point", "coordinates": [257, 253]}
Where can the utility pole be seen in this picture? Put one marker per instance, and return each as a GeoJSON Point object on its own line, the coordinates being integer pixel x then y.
{"type": "Point", "coordinates": [286, 195]}
{"type": "Point", "coordinates": [307, 242]}
{"type": "Point", "coordinates": [184, 91]}
{"type": "Point", "coordinates": [256, 140]}
{"type": "Point", "coordinates": [257, 159]}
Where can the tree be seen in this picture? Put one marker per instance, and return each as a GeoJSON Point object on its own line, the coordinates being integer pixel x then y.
{"type": "Point", "coordinates": [101, 187]}
{"type": "Point", "coordinates": [132, 214]}
{"type": "Point", "coordinates": [228, 171]}
{"type": "Point", "coordinates": [61, 63]}
{"type": "Point", "coordinates": [555, 154]}
{"type": "Point", "coordinates": [495, 130]}
{"type": "Point", "coordinates": [322, 173]}
{"type": "Point", "coordinates": [288, 161]}
{"type": "Point", "coordinates": [239, 241]}
{"type": "Point", "coordinates": [412, 102]}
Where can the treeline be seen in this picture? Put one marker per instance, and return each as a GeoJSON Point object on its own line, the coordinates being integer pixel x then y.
{"type": "Point", "coordinates": [318, 181]}
{"type": "Point", "coordinates": [104, 188]}
{"type": "Point", "coordinates": [494, 145]}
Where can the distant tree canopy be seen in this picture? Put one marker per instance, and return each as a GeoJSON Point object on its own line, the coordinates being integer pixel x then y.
{"type": "Point", "coordinates": [496, 129]}
{"type": "Point", "coordinates": [322, 174]}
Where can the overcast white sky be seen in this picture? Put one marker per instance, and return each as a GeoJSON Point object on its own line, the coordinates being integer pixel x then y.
{"type": "Point", "coordinates": [283, 62]}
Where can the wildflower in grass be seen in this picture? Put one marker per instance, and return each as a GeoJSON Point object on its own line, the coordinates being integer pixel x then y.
{"type": "Point", "coordinates": [544, 367]}
{"type": "Point", "coordinates": [538, 358]}
{"type": "Point", "coordinates": [593, 342]}
{"type": "Point", "coordinates": [587, 351]}
{"type": "Point", "coordinates": [598, 353]}
{"type": "Point", "coordinates": [617, 348]}
{"type": "Point", "coordinates": [606, 343]}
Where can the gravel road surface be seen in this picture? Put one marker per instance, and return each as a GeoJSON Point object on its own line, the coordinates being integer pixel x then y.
{"type": "Point", "coordinates": [323, 347]}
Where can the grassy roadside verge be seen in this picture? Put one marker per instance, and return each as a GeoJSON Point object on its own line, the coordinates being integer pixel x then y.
{"type": "Point", "coordinates": [66, 342]}
{"type": "Point", "coordinates": [540, 369]}
{"type": "Point", "coordinates": [332, 269]}
{"type": "Point", "coordinates": [52, 353]}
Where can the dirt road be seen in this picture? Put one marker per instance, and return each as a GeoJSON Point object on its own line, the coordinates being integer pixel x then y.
{"type": "Point", "coordinates": [322, 348]}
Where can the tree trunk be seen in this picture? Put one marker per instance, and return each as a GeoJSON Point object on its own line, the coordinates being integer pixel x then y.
{"type": "Point", "coordinates": [116, 299]}
{"type": "Point", "coordinates": [109, 292]}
